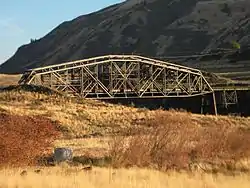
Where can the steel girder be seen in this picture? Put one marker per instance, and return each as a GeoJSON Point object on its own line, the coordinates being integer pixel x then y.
{"type": "Point", "coordinates": [229, 98]}
{"type": "Point", "coordinates": [120, 76]}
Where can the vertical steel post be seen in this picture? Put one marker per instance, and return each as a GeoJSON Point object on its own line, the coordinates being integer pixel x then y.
{"type": "Point", "coordinates": [111, 78]}
{"type": "Point", "coordinates": [51, 80]}
{"type": "Point", "coordinates": [189, 83]}
{"type": "Point", "coordinates": [124, 78]}
{"type": "Point", "coordinates": [202, 104]}
{"type": "Point", "coordinates": [151, 79]}
{"type": "Point", "coordinates": [138, 79]}
{"type": "Point", "coordinates": [81, 82]}
{"type": "Point", "coordinates": [165, 81]}
{"type": "Point", "coordinates": [215, 105]}
{"type": "Point", "coordinates": [96, 70]}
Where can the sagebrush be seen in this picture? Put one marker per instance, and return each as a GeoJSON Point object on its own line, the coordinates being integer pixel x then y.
{"type": "Point", "coordinates": [177, 143]}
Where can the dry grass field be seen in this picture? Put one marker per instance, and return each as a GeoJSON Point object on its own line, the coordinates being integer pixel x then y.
{"type": "Point", "coordinates": [6, 79]}
{"type": "Point", "coordinates": [81, 118]}
{"type": "Point", "coordinates": [147, 148]}
{"type": "Point", "coordinates": [61, 177]}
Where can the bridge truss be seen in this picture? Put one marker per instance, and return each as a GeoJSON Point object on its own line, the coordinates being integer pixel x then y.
{"type": "Point", "coordinates": [120, 76]}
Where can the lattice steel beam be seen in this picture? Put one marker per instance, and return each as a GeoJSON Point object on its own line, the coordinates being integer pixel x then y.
{"type": "Point", "coordinates": [120, 76]}
{"type": "Point", "coordinates": [229, 98]}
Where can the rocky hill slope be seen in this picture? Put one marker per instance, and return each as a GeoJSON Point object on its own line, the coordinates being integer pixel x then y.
{"type": "Point", "coordinates": [153, 28]}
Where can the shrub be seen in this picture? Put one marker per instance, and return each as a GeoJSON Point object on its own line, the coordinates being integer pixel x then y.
{"type": "Point", "coordinates": [165, 146]}
{"type": "Point", "coordinates": [174, 141]}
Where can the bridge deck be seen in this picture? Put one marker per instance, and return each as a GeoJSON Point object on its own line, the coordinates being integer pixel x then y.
{"type": "Point", "coordinates": [231, 88]}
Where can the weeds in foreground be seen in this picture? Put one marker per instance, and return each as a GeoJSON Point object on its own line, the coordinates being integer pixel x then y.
{"type": "Point", "coordinates": [177, 143]}
{"type": "Point", "coordinates": [111, 178]}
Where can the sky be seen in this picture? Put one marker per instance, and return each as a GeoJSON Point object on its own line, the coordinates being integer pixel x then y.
{"type": "Point", "coordinates": [22, 20]}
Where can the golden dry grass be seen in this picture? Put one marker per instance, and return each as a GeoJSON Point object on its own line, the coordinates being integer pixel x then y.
{"type": "Point", "coordinates": [104, 177]}
{"type": "Point", "coordinates": [79, 117]}
{"type": "Point", "coordinates": [9, 79]}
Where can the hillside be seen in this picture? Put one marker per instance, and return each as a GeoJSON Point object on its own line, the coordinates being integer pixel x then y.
{"type": "Point", "coordinates": [153, 28]}
{"type": "Point", "coordinates": [127, 146]}
{"type": "Point", "coordinates": [98, 130]}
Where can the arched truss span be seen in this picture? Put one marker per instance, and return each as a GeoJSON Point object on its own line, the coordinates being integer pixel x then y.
{"type": "Point", "coordinates": [120, 76]}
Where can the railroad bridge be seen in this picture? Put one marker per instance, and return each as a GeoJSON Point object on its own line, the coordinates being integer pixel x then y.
{"type": "Point", "coordinates": [121, 76]}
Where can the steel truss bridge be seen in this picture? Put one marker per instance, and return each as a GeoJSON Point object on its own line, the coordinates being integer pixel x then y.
{"type": "Point", "coordinates": [121, 76]}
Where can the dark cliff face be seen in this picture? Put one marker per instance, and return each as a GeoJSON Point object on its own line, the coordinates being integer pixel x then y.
{"type": "Point", "coordinates": [151, 28]}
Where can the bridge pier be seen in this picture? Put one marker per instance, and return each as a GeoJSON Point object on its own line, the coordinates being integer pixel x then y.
{"type": "Point", "coordinates": [202, 104]}
{"type": "Point", "coordinates": [229, 98]}
{"type": "Point", "coordinates": [212, 102]}
{"type": "Point", "coordinates": [227, 101]}
{"type": "Point", "coordinates": [215, 104]}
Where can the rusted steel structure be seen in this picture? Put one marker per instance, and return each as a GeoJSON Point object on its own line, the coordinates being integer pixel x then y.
{"type": "Point", "coordinates": [121, 76]}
